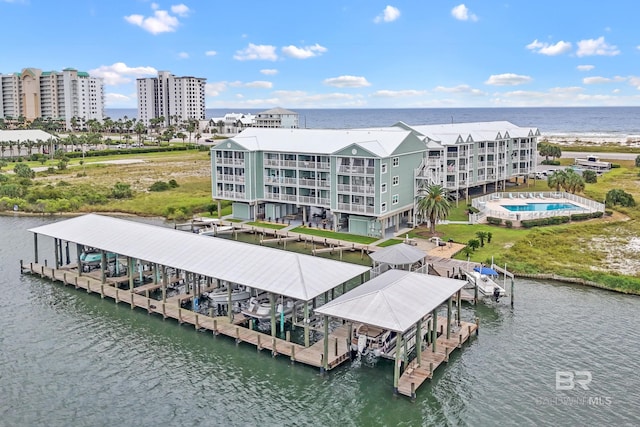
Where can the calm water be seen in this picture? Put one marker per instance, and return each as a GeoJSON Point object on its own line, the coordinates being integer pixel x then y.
{"type": "Point", "coordinates": [69, 358]}
{"type": "Point", "coordinates": [571, 121]}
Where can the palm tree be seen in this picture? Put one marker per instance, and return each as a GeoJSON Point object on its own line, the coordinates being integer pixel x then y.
{"type": "Point", "coordinates": [481, 235]}
{"type": "Point", "coordinates": [432, 202]}
{"type": "Point", "coordinates": [557, 179]}
{"type": "Point", "coordinates": [140, 129]}
{"type": "Point", "coordinates": [574, 182]}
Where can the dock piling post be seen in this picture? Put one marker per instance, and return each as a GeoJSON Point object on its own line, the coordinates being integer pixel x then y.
{"type": "Point", "coordinates": [180, 314]}
{"type": "Point", "coordinates": [288, 336]}
{"type": "Point", "coordinates": [413, 391]}
{"type": "Point", "coordinates": [274, 352]}
{"type": "Point", "coordinates": [215, 326]}
{"type": "Point", "coordinates": [238, 335]}
{"type": "Point", "coordinates": [197, 325]}
{"type": "Point", "coordinates": [259, 346]}
{"type": "Point", "coordinates": [477, 326]}
{"type": "Point", "coordinates": [21, 268]}
{"type": "Point", "coordinates": [75, 282]}
{"type": "Point", "coordinates": [336, 347]}
{"type": "Point", "coordinates": [293, 354]}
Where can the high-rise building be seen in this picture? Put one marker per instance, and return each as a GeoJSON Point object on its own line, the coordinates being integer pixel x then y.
{"type": "Point", "coordinates": [174, 98]}
{"type": "Point", "coordinates": [34, 93]}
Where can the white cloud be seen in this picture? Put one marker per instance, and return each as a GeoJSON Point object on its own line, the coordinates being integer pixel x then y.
{"type": "Point", "coordinates": [116, 98]}
{"type": "Point", "coordinates": [461, 13]}
{"type": "Point", "coordinates": [254, 52]}
{"type": "Point", "coordinates": [347, 81]}
{"type": "Point", "coordinates": [269, 71]}
{"type": "Point", "coordinates": [635, 82]}
{"type": "Point", "coordinates": [214, 89]}
{"type": "Point", "coordinates": [398, 93]}
{"type": "Point", "coordinates": [389, 14]}
{"type": "Point", "coordinates": [259, 84]}
{"type": "Point", "coordinates": [593, 47]}
{"type": "Point", "coordinates": [596, 80]}
{"type": "Point", "coordinates": [585, 67]}
{"type": "Point", "coordinates": [119, 73]}
{"type": "Point", "coordinates": [211, 53]}
{"type": "Point", "coordinates": [549, 49]}
{"type": "Point", "coordinates": [183, 55]}
{"type": "Point", "coordinates": [464, 89]}
{"type": "Point", "coordinates": [180, 9]}
{"type": "Point", "coordinates": [507, 79]}
{"type": "Point", "coordinates": [161, 21]}
{"type": "Point", "coordinates": [304, 52]}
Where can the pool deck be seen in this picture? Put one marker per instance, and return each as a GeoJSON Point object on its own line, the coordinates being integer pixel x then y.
{"type": "Point", "coordinates": [494, 206]}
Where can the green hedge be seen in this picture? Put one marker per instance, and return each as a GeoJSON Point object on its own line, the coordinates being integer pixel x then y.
{"type": "Point", "coordinates": [110, 152]}
{"type": "Point", "coordinates": [494, 221]}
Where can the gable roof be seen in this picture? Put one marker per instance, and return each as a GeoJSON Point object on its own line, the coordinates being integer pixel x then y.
{"type": "Point", "coordinates": [450, 134]}
{"type": "Point", "coordinates": [291, 274]}
{"type": "Point", "coordinates": [380, 142]}
{"type": "Point", "coordinates": [24, 135]}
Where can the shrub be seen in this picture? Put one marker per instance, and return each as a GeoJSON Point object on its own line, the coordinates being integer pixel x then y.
{"type": "Point", "coordinates": [551, 162]}
{"type": "Point", "coordinates": [508, 223]}
{"type": "Point", "coordinates": [159, 186]}
{"type": "Point", "coordinates": [590, 177]}
{"type": "Point", "coordinates": [173, 183]}
{"type": "Point", "coordinates": [494, 221]}
{"type": "Point", "coordinates": [638, 160]}
{"type": "Point", "coordinates": [619, 197]}
{"type": "Point", "coordinates": [615, 165]}
{"type": "Point", "coordinates": [23, 171]}
{"type": "Point", "coordinates": [121, 191]}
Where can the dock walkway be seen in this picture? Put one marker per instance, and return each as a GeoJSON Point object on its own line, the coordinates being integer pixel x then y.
{"type": "Point", "coordinates": [416, 374]}
{"type": "Point", "coordinates": [312, 355]}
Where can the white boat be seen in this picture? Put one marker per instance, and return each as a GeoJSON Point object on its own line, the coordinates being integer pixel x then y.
{"type": "Point", "coordinates": [221, 295]}
{"type": "Point", "coordinates": [261, 309]}
{"type": "Point", "coordinates": [374, 340]}
{"type": "Point", "coordinates": [486, 285]}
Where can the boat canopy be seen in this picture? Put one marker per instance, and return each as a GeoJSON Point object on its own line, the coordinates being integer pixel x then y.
{"type": "Point", "coordinates": [394, 300]}
{"type": "Point", "coordinates": [400, 254]}
{"type": "Point", "coordinates": [298, 276]}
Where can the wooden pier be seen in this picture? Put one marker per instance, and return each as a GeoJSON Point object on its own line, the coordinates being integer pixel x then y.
{"type": "Point", "coordinates": [417, 371]}
{"type": "Point", "coordinates": [313, 355]}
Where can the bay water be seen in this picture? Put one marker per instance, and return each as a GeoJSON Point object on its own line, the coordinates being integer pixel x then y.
{"type": "Point", "coordinates": [68, 358]}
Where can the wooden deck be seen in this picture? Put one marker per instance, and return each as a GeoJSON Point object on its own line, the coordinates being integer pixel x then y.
{"type": "Point", "coordinates": [414, 376]}
{"type": "Point", "coordinates": [312, 355]}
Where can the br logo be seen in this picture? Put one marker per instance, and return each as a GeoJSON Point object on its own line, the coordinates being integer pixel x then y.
{"type": "Point", "coordinates": [567, 380]}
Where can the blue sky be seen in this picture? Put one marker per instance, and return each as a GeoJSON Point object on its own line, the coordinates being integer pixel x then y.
{"type": "Point", "coordinates": [341, 54]}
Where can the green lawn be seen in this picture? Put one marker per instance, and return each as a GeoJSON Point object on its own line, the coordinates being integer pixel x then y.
{"type": "Point", "coordinates": [266, 225]}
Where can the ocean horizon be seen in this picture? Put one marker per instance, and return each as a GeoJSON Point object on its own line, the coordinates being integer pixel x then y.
{"type": "Point", "coordinates": [618, 123]}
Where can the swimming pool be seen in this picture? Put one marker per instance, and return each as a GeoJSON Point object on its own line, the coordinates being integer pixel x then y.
{"type": "Point", "coordinates": [540, 207]}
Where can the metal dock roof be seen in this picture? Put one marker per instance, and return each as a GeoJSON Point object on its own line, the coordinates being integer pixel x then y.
{"type": "Point", "coordinates": [395, 300]}
{"type": "Point", "coordinates": [293, 275]}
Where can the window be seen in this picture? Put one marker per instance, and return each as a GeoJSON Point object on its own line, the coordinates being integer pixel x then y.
{"type": "Point", "coordinates": [396, 180]}
{"type": "Point", "coordinates": [396, 162]}
{"type": "Point", "coordinates": [394, 199]}
{"type": "Point", "coordinates": [383, 168]}
{"type": "Point", "coordinates": [383, 207]}
{"type": "Point", "coordinates": [383, 188]}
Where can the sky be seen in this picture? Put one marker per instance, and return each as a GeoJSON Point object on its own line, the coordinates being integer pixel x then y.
{"type": "Point", "coordinates": [340, 54]}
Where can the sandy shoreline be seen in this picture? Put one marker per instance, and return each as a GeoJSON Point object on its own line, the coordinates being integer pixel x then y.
{"type": "Point", "coordinates": [586, 139]}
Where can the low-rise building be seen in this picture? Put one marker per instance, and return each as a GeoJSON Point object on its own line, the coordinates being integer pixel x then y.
{"type": "Point", "coordinates": [363, 181]}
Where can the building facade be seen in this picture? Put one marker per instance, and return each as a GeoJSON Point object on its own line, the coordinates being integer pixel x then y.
{"type": "Point", "coordinates": [34, 93]}
{"type": "Point", "coordinates": [363, 181]}
{"type": "Point", "coordinates": [276, 118]}
{"type": "Point", "coordinates": [175, 98]}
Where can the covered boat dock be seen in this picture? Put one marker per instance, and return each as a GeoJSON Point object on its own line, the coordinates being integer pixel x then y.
{"type": "Point", "coordinates": [403, 301]}
{"type": "Point", "coordinates": [164, 256]}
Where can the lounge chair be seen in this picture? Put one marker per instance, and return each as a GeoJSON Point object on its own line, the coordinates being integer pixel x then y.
{"type": "Point", "coordinates": [532, 196]}
{"type": "Point", "coordinates": [510, 196]}
{"type": "Point", "coordinates": [522, 196]}
{"type": "Point", "coordinates": [541, 195]}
